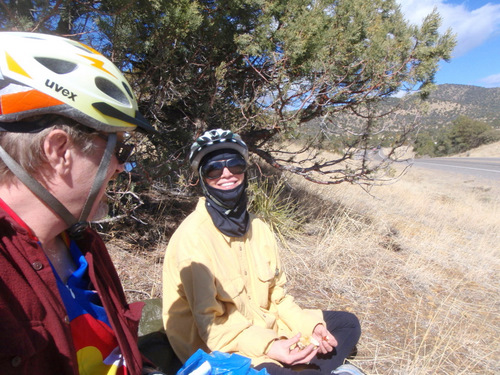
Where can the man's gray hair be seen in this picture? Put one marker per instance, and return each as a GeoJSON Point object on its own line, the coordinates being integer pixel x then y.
{"type": "Point", "coordinates": [27, 148]}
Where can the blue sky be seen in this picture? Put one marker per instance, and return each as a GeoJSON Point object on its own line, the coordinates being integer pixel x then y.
{"type": "Point", "coordinates": [476, 58]}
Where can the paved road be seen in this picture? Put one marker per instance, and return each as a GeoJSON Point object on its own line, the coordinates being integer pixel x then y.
{"type": "Point", "coordinates": [477, 167]}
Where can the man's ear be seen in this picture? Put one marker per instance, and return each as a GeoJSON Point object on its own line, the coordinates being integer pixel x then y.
{"type": "Point", "coordinates": [57, 147]}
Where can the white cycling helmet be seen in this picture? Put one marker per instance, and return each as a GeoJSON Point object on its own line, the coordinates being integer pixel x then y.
{"type": "Point", "coordinates": [49, 75]}
{"type": "Point", "coordinates": [213, 140]}
{"type": "Point", "coordinates": [45, 74]}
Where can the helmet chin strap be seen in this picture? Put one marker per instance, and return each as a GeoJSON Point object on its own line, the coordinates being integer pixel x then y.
{"type": "Point", "coordinates": [75, 226]}
{"type": "Point", "coordinates": [100, 177]}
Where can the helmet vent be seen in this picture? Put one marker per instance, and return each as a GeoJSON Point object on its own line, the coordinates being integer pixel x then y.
{"type": "Point", "coordinates": [56, 65]}
{"type": "Point", "coordinates": [110, 89]}
{"type": "Point", "coordinates": [128, 90]}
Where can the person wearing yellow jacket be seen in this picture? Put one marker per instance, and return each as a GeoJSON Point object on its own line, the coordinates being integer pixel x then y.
{"type": "Point", "coordinates": [224, 285]}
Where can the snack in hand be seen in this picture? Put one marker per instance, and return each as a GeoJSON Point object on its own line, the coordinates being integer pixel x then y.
{"type": "Point", "coordinates": [305, 341]}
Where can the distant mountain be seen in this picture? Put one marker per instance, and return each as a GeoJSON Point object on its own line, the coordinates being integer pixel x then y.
{"type": "Point", "coordinates": [444, 105]}
{"type": "Point", "coordinates": [449, 101]}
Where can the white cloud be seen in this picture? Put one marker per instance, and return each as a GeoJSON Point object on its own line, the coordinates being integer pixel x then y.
{"type": "Point", "coordinates": [491, 81]}
{"type": "Point", "coordinates": [473, 27]}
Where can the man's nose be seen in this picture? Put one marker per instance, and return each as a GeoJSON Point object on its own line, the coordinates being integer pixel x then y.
{"type": "Point", "coordinates": [120, 168]}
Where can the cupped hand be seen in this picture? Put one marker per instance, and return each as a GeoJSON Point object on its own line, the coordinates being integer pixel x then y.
{"type": "Point", "coordinates": [280, 351]}
{"type": "Point", "coordinates": [325, 339]}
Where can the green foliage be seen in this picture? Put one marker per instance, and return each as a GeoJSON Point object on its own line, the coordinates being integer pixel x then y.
{"type": "Point", "coordinates": [489, 136]}
{"type": "Point", "coordinates": [443, 145]}
{"type": "Point", "coordinates": [463, 134]}
{"type": "Point", "coordinates": [270, 201]}
{"type": "Point", "coordinates": [466, 133]}
{"type": "Point", "coordinates": [260, 67]}
{"type": "Point", "coordinates": [62, 17]}
{"type": "Point", "coordinates": [424, 145]}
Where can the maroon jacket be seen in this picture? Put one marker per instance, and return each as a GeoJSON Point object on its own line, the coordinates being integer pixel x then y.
{"type": "Point", "coordinates": [35, 336]}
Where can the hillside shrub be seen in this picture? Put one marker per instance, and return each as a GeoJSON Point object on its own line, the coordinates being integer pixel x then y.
{"type": "Point", "coordinates": [424, 145]}
{"type": "Point", "coordinates": [463, 134]}
{"type": "Point", "coordinates": [270, 200]}
{"type": "Point", "coordinates": [467, 133]}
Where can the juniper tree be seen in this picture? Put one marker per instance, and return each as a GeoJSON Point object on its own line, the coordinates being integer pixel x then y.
{"type": "Point", "coordinates": [267, 69]}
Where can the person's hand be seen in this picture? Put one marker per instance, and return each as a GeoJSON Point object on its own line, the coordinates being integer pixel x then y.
{"type": "Point", "coordinates": [280, 351]}
{"type": "Point", "coordinates": [325, 339]}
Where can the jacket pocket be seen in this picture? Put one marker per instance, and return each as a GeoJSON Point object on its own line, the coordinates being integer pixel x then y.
{"type": "Point", "coordinates": [21, 340]}
{"type": "Point", "coordinates": [265, 273]}
{"type": "Point", "coordinates": [265, 265]}
{"type": "Point", "coordinates": [230, 290]}
{"type": "Point", "coordinates": [263, 285]}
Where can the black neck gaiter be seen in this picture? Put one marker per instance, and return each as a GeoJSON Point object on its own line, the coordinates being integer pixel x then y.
{"type": "Point", "coordinates": [228, 209]}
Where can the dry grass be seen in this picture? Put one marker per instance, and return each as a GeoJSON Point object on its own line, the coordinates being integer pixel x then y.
{"type": "Point", "coordinates": [418, 262]}
{"type": "Point", "coordinates": [485, 151]}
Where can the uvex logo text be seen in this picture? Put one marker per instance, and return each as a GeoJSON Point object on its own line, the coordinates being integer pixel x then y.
{"type": "Point", "coordinates": [60, 89]}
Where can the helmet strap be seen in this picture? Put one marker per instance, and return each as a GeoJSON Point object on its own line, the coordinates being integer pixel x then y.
{"type": "Point", "coordinates": [76, 227]}
{"type": "Point", "coordinates": [100, 177]}
{"type": "Point", "coordinates": [37, 188]}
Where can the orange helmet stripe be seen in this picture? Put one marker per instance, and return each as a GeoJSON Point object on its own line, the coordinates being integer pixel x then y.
{"type": "Point", "coordinates": [26, 101]}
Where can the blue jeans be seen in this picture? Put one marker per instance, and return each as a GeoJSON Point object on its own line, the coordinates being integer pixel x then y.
{"type": "Point", "coordinates": [345, 328]}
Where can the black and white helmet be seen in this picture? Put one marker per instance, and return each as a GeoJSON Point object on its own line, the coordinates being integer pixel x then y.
{"type": "Point", "coordinates": [213, 140]}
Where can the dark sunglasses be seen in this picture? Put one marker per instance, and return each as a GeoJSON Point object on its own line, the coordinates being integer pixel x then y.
{"type": "Point", "coordinates": [122, 150]}
{"type": "Point", "coordinates": [214, 169]}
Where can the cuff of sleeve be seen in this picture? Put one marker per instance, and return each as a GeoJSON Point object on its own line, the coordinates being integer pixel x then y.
{"type": "Point", "coordinates": [268, 347]}
{"type": "Point", "coordinates": [314, 318]}
{"type": "Point", "coordinates": [256, 341]}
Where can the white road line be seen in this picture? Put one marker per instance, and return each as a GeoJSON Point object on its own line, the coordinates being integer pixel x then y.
{"type": "Point", "coordinates": [455, 166]}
